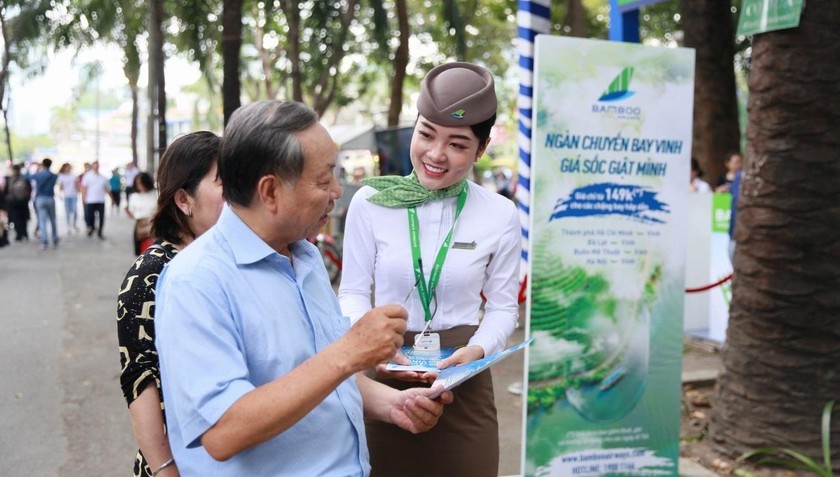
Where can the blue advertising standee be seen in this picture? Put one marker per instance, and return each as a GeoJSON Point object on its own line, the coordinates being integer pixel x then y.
{"type": "Point", "coordinates": [610, 154]}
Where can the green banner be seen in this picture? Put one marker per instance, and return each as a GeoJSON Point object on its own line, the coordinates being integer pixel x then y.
{"type": "Point", "coordinates": [759, 16]}
{"type": "Point", "coordinates": [611, 149]}
{"type": "Point", "coordinates": [721, 203]}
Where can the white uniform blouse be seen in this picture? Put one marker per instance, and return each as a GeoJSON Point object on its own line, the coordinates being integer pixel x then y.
{"type": "Point", "coordinates": [484, 256]}
{"type": "Point", "coordinates": [142, 205]}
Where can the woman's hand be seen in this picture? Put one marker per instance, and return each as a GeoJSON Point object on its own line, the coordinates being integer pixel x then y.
{"type": "Point", "coordinates": [463, 355]}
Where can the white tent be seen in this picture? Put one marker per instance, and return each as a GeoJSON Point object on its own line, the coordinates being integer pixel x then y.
{"type": "Point", "coordinates": [353, 137]}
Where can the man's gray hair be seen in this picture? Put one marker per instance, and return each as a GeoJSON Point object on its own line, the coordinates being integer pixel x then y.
{"type": "Point", "coordinates": [262, 139]}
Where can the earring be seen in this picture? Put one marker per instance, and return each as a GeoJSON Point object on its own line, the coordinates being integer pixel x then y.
{"type": "Point", "coordinates": [189, 213]}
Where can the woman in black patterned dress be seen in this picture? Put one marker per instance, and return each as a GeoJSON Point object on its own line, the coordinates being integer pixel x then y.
{"type": "Point", "coordinates": [189, 203]}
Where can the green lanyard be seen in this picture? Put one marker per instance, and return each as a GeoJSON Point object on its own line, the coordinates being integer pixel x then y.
{"type": "Point", "coordinates": [424, 289]}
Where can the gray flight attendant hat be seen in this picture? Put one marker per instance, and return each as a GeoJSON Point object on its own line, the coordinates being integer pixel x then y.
{"type": "Point", "coordinates": [457, 94]}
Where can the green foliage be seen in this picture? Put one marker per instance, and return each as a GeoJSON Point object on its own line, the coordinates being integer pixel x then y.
{"type": "Point", "coordinates": [107, 100]}
{"type": "Point", "coordinates": [787, 456]}
{"type": "Point", "coordinates": [26, 24]}
{"type": "Point", "coordinates": [24, 146]}
{"type": "Point", "coordinates": [481, 32]}
{"type": "Point", "coordinates": [197, 33]}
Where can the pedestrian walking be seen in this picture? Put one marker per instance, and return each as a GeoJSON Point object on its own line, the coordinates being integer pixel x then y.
{"type": "Point", "coordinates": [94, 189]}
{"type": "Point", "coordinates": [68, 184]}
{"type": "Point", "coordinates": [45, 181]}
{"type": "Point", "coordinates": [131, 172]}
{"type": "Point", "coordinates": [115, 190]}
{"type": "Point", "coordinates": [18, 194]}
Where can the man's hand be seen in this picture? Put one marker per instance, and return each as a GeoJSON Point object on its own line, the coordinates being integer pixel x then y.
{"type": "Point", "coordinates": [413, 411]}
{"type": "Point", "coordinates": [467, 354]}
{"type": "Point", "coordinates": [408, 376]}
{"type": "Point", "coordinates": [376, 337]}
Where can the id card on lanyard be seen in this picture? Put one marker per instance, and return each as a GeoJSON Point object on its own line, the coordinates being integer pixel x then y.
{"type": "Point", "coordinates": [429, 341]}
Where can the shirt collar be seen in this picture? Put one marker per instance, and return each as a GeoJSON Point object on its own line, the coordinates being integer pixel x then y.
{"type": "Point", "coordinates": [247, 246]}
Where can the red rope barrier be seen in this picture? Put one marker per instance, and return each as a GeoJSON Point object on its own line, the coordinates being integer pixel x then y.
{"type": "Point", "coordinates": [524, 285]}
{"type": "Point", "coordinates": [709, 286]}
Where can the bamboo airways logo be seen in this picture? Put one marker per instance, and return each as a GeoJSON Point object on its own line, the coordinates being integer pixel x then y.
{"type": "Point", "coordinates": [618, 90]}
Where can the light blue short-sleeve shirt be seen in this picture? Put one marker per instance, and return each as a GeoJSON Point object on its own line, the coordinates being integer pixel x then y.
{"type": "Point", "coordinates": [233, 314]}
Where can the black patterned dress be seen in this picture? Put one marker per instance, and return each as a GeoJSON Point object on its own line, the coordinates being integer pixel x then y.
{"type": "Point", "coordinates": [136, 330]}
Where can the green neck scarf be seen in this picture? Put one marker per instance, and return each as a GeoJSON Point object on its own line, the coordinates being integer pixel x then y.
{"type": "Point", "coordinates": [399, 192]}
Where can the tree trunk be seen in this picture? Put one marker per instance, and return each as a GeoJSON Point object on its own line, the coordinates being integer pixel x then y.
{"type": "Point", "coordinates": [4, 78]}
{"type": "Point", "coordinates": [780, 360]}
{"type": "Point", "coordinates": [265, 62]}
{"type": "Point", "coordinates": [708, 28]}
{"type": "Point", "coordinates": [576, 19]}
{"type": "Point", "coordinates": [400, 64]}
{"type": "Point", "coordinates": [291, 9]}
{"type": "Point", "coordinates": [135, 117]}
{"type": "Point", "coordinates": [155, 49]}
{"type": "Point", "coordinates": [231, 44]}
{"type": "Point", "coordinates": [158, 57]}
{"type": "Point", "coordinates": [131, 69]}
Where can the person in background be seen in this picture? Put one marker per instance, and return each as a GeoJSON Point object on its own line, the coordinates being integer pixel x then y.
{"type": "Point", "coordinates": [18, 193]}
{"type": "Point", "coordinates": [189, 203]}
{"type": "Point", "coordinates": [4, 215]}
{"type": "Point", "coordinates": [502, 179]}
{"type": "Point", "coordinates": [45, 181]}
{"type": "Point", "coordinates": [696, 184]}
{"type": "Point", "coordinates": [68, 184]}
{"type": "Point", "coordinates": [468, 238]}
{"type": "Point", "coordinates": [32, 168]}
{"type": "Point", "coordinates": [115, 190]}
{"type": "Point", "coordinates": [94, 189]}
{"type": "Point", "coordinates": [131, 172]}
{"type": "Point", "coordinates": [733, 165]}
{"type": "Point", "coordinates": [257, 361]}
{"type": "Point", "coordinates": [735, 190]}
{"type": "Point", "coordinates": [140, 207]}
{"type": "Point", "coordinates": [85, 168]}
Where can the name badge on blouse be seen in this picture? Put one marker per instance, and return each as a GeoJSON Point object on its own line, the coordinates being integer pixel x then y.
{"type": "Point", "coordinates": [427, 343]}
{"type": "Point", "coordinates": [464, 245]}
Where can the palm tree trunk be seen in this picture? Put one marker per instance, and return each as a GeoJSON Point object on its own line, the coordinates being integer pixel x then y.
{"type": "Point", "coordinates": [709, 29]}
{"type": "Point", "coordinates": [780, 360]}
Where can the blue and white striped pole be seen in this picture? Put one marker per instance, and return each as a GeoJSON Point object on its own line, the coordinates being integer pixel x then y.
{"type": "Point", "coordinates": [533, 17]}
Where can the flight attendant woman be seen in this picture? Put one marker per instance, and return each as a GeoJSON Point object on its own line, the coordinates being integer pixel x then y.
{"type": "Point", "coordinates": [443, 241]}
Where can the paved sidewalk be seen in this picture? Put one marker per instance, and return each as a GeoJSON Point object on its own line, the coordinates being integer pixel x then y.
{"type": "Point", "coordinates": [61, 408]}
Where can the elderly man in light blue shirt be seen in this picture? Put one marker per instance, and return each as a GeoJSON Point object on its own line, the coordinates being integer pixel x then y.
{"type": "Point", "coordinates": [257, 363]}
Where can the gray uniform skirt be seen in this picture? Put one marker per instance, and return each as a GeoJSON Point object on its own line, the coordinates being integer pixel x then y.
{"type": "Point", "coordinates": [465, 442]}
